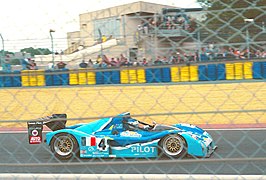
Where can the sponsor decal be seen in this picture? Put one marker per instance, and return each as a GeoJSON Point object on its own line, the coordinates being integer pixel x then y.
{"type": "Point", "coordinates": [91, 141]}
{"type": "Point", "coordinates": [130, 134]}
{"type": "Point", "coordinates": [142, 149]}
{"type": "Point", "coordinates": [35, 139]}
{"type": "Point", "coordinates": [35, 132]}
{"type": "Point", "coordinates": [118, 126]}
{"type": "Point", "coordinates": [83, 152]}
{"type": "Point", "coordinates": [90, 149]}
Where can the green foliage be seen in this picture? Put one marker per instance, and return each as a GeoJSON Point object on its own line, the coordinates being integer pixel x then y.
{"type": "Point", "coordinates": [38, 51]}
{"type": "Point", "coordinates": [15, 62]}
{"type": "Point", "coordinates": [5, 52]}
{"type": "Point", "coordinates": [205, 3]}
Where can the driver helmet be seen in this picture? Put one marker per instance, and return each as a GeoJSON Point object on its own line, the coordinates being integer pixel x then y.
{"type": "Point", "coordinates": [133, 122]}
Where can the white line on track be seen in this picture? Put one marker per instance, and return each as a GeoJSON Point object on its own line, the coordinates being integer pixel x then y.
{"type": "Point", "coordinates": [128, 176]}
{"type": "Point", "coordinates": [237, 129]}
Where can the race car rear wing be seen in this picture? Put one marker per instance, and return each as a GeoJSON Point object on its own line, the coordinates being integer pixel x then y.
{"type": "Point", "coordinates": [53, 122]}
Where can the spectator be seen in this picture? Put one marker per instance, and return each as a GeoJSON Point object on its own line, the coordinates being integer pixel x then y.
{"type": "Point", "coordinates": [25, 63]}
{"type": "Point", "coordinates": [61, 65]}
{"type": "Point", "coordinates": [114, 62]}
{"type": "Point", "coordinates": [90, 63]}
{"type": "Point", "coordinates": [50, 65]}
{"type": "Point", "coordinates": [136, 62]}
{"type": "Point", "coordinates": [99, 59]}
{"type": "Point", "coordinates": [158, 61]}
{"type": "Point", "coordinates": [7, 65]}
{"type": "Point", "coordinates": [144, 62]}
{"type": "Point", "coordinates": [105, 65]}
{"type": "Point", "coordinates": [83, 64]}
{"type": "Point", "coordinates": [104, 38]}
{"type": "Point", "coordinates": [179, 58]}
{"type": "Point", "coordinates": [32, 65]}
{"type": "Point", "coordinates": [165, 60]}
{"type": "Point", "coordinates": [172, 58]}
{"type": "Point", "coordinates": [263, 54]}
{"type": "Point", "coordinates": [140, 28]}
{"type": "Point", "coordinates": [126, 62]}
{"type": "Point", "coordinates": [257, 53]}
{"type": "Point", "coordinates": [146, 27]}
{"type": "Point", "coordinates": [97, 64]}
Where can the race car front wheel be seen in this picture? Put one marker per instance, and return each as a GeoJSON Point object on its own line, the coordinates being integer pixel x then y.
{"type": "Point", "coordinates": [173, 145]}
{"type": "Point", "coordinates": [64, 146]}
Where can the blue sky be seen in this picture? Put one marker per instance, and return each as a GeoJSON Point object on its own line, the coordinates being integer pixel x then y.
{"type": "Point", "coordinates": [26, 23]}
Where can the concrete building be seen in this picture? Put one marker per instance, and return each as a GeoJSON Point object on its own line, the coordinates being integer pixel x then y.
{"type": "Point", "coordinates": [120, 25]}
{"type": "Point", "coordinates": [135, 30]}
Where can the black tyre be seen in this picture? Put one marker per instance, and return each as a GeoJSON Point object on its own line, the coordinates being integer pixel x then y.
{"type": "Point", "coordinates": [174, 146]}
{"type": "Point", "coordinates": [64, 146]}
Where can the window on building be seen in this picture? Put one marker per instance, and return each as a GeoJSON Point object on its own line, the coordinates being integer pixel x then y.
{"type": "Point", "coordinates": [109, 27]}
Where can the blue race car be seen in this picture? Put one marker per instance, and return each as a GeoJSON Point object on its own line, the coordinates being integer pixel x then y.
{"type": "Point", "coordinates": [121, 136]}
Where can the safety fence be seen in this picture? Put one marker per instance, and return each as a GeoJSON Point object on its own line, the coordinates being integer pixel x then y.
{"type": "Point", "coordinates": [225, 97]}
{"type": "Point", "coordinates": [132, 75]}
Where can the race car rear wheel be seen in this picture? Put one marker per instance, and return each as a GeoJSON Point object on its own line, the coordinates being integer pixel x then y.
{"type": "Point", "coordinates": [173, 145]}
{"type": "Point", "coordinates": [64, 146]}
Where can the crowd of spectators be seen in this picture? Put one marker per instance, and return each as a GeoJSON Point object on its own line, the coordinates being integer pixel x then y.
{"type": "Point", "coordinates": [207, 54]}
{"type": "Point", "coordinates": [213, 53]}
{"type": "Point", "coordinates": [104, 62]}
{"type": "Point", "coordinates": [181, 21]}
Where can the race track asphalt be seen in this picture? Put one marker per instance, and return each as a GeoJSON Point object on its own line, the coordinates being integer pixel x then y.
{"type": "Point", "coordinates": [240, 152]}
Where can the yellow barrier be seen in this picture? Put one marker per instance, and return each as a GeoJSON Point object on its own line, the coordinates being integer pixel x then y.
{"type": "Point", "coordinates": [184, 73]}
{"type": "Point", "coordinates": [73, 78]}
{"type": "Point", "coordinates": [248, 70]}
{"type": "Point", "coordinates": [124, 77]}
{"type": "Point", "coordinates": [132, 76]}
{"type": "Point", "coordinates": [91, 77]}
{"type": "Point", "coordinates": [82, 77]}
{"type": "Point", "coordinates": [32, 78]}
{"type": "Point", "coordinates": [141, 76]}
{"type": "Point", "coordinates": [194, 76]}
{"type": "Point", "coordinates": [175, 76]}
{"type": "Point", "coordinates": [230, 73]}
{"type": "Point", "coordinates": [25, 78]}
{"type": "Point", "coordinates": [238, 71]}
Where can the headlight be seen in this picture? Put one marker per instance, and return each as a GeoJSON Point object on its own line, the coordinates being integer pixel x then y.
{"type": "Point", "coordinates": [202, 146]}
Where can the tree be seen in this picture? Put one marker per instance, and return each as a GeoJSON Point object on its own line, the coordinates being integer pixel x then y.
{"type": "Point", "coordinates": [5, 52]}
{"type": "Point", "coordinates": [225, 22]}
{"type": "Point", "coordinates": [15, 62]}
{"type": "Point", "coordinates": [205, 3]}
{"type": "Point", "coordinates": [38, 51]}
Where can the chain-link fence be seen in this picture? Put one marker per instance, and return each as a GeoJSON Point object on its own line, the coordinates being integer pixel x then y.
{"type": "Point", "coordinates": [171, 68]}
